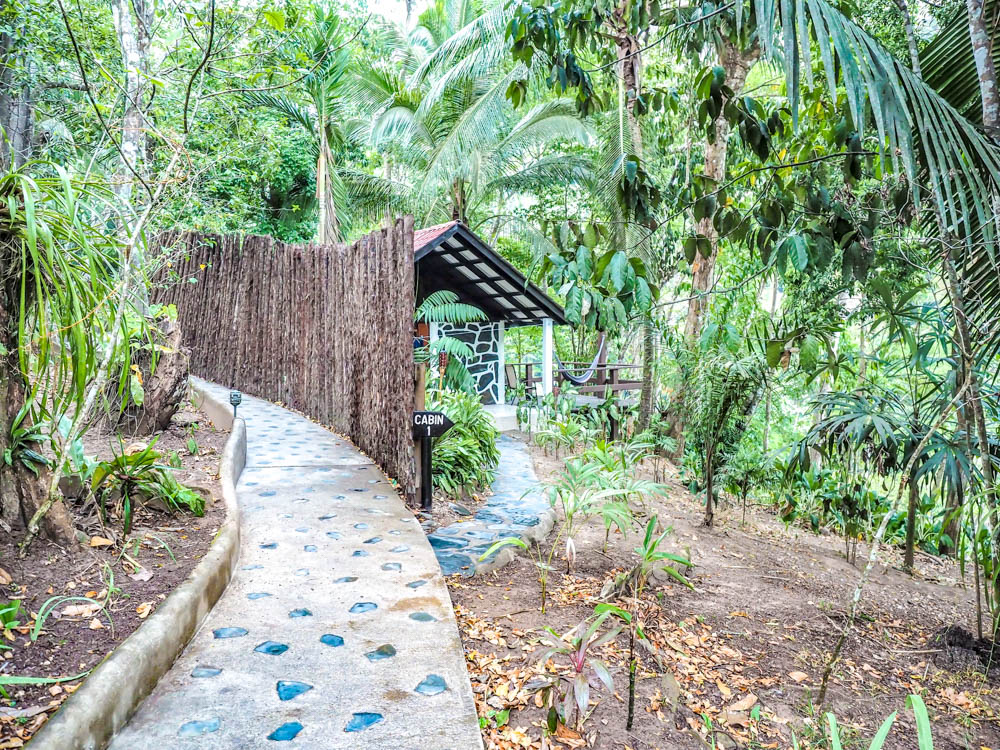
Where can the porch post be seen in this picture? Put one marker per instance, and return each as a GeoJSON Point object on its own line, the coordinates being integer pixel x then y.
{"type": "Point", "coordinates": [501, 366]}
{"type": "Point", "coordinates": [547, 356]}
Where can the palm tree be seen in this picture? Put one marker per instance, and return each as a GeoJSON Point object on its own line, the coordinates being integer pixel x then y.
{"type": "Point", "coordinates": [319, 47]}
{"type": "Point", "coordinates": [453, 144]}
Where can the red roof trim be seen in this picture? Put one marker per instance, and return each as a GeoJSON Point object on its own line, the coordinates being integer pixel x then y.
{"type": "Point", "coordinates": [427, 235]}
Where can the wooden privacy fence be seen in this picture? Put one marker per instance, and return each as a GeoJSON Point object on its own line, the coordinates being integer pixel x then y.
{"type": "Point", "coordinates": [324, 329]}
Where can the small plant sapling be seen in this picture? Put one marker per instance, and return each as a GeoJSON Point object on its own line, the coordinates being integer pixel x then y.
{"type": "Point", "coordinates": [569, 694]}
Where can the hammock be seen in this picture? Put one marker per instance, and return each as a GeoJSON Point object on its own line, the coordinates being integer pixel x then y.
{"type": "Point", "coordinates": [581, 379]}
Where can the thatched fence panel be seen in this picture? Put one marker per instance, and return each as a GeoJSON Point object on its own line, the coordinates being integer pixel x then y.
{"type": "Point", "coordinates": [324, 329]}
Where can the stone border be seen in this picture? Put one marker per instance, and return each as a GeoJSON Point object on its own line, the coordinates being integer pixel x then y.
{"type": "Point", "coordinates": [113, 691]}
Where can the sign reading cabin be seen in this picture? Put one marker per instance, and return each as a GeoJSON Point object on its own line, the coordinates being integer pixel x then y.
{"type": "Point", "coordinates": [430, 424]}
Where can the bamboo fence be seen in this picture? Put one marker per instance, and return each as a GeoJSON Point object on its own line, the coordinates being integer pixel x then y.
{"type": "Point", "coordinates": [324, 329]}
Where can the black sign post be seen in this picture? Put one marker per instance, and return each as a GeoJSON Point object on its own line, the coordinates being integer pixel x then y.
{"type": "Point", "coordinates": [427, 425]}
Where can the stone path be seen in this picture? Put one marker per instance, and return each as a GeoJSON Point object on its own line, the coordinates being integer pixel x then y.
{"type": "Point", "coordinates": [337, 629]}
{"type": "Point", "coordinates": [514, 509]}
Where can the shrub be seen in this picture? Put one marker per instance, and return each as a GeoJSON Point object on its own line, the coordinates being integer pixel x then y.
{"type": "Point", "coordinates": [464, 458]}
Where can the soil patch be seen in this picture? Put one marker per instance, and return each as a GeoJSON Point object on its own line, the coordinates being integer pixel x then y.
{"type": "Point", "coordinates": [129, 578]}
{"type": "Point", "coordinates": [738, 659]}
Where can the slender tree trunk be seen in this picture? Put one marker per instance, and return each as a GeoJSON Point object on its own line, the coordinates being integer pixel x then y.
{"type": "Point", "coordinates": [133, 37]}
{"type": "Point", "coordinates": [911, 526]}
{"type": "Point", "coordinates": [737, 63]}
{"type": "Point", "coordinates": [911, 39]}
{"type": "Point", "coordinates": [983, 54]}
{"type": "Point", "coordinates": [709, 487]}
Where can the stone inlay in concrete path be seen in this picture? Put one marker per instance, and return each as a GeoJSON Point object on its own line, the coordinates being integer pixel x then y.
{"type": "Point", "coordinates": [515, 509]}
{"type": "Point", "coordinates": [311, 645]}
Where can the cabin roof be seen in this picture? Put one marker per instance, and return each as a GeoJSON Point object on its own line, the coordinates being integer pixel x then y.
{"type": "Point", "coordinates": [451, 256]}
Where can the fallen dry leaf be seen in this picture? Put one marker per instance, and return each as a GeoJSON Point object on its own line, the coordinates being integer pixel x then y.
{"type": "Point", "coordinates": [743, 704]}
{"type": "Point", "coordinates": [798, 676]}
{"type": "Point", "coordinates": [142, 574]}
{"type": "Point", "coordinates": [86, 609]}
{"type": "Point", "coordinates": [100, 541]}
{"type": "Point", "coordinates": [95, 624]}
{"type": "Point", "coordinates": [144, 609]}
{"type": "Point", "coordinates": [4, 577]}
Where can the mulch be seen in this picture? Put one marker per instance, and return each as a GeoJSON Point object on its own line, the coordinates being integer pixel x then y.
{"type": "Point", "coordinates": [736, 662]}
{"type": "Point", "coordinates": [129, 578]}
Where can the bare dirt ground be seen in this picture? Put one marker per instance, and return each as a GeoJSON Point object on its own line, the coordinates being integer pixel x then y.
{"type": "Point", "coordinates": [78, 635]}
{"type": "Point", "coordinates": [744, 652]}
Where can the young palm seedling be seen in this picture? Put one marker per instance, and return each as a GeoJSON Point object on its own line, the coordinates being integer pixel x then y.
{"type": "Point", "coordinates": [651, 558]}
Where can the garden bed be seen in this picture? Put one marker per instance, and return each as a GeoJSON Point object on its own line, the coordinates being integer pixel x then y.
{"type": "Point", "coordinates": [130, 580]}
{"type": "Point", "coordinates": [744, 650]}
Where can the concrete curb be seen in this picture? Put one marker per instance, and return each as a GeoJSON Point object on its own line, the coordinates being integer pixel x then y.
{"type": "Point", "coordinates": [113, 691]}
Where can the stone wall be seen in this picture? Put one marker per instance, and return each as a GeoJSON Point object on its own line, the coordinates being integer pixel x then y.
{"type": "Point", "coordinates": [484, 340]}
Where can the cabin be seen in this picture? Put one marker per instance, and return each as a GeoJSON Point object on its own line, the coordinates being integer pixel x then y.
{"type": "Point", "coordinates": [451, 256]}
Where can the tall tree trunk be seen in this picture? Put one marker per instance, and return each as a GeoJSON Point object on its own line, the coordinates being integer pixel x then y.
{"type": "Point", "coordinates": [133, 37]}
{"type": "Point", "coordinates": [21, 491]}
{"type": "Point", "coordinates": [911, 39]}
{"type": "Point", "coordinates": [630, 69]}
{"type": "Point", "coordinates": [983, 54]}
{"type": "Point", "coordinates": [16, 117]}
{"type": "Point", "coordinates": [737, 63]}
{"type": "Point", "coordinates": [328, 230]}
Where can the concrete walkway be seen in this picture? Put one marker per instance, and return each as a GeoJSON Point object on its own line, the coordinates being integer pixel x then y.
{"type": "Point", "coordinates": [337, 630]}
{"type": "Point", "coordinates": [516, 508]}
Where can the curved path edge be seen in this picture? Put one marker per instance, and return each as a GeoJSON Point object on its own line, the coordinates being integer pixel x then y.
{"type": "Point", "coordinates": [110, 695]}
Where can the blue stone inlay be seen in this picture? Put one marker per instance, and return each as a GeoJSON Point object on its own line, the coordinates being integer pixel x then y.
{"type": "Point", "coordinates": [230, 632]}
{"type": "Point", "coordinates": [302, 529]}
{"type": "Point", "coordinates": [439, 542]}
{"type": "Point", "coordinates": [361, 525]}
{"type": "Point", "coordinates": [285, 732]}
{"type": "Point", "coordinates": [288, 689]}
{"type": "Point", "coordinates": [333, 534]}
{"type": "Point", "coordinates": [363, 607]}
{"type": "Point", "coordinates": [269, 545]}
{"type": "Point", "coordinates": [328, 516]}
{"type": "Point", "coordinates": [302, 572]}
{"type": "Point", "coordinates": [251, 567]}
{"type": "Point", "coordinates": [271, 647]}
{"type": "Point", "coordinates": [331, 640]}
{"type": "Point", "coordinates": [302, 612]}
{"type": "Point", "coordinates": [346, 579]}
{"type": "Point", "coordinates": [285, 515]}
{"type": "Point", "coordinates": [384, 651]}
{"type": "Point", "coordinates": [362, 721]}
{"type": "Point", "coordinates": [422, 617]}
{"type": "Point", "coordinates": [373, 540]}
{"type": "Point", "coordinates": [359, 553]}
{"type": "Point", "coordinates": [197, 728]}
{"type": "Point", "coordinates": [267, 493]}
{"type": "Point", "coordinates": [416, 584]}
{"type": "Point", "coordinates": [432, 685]}
{"type": "Point", "coordinates": [400, 548]}
{"type": "Point", "coordinates": [392, 566]}
{"type": "Point", "coordinates": [310, 548]}
{"type": "Point", "coordinates": [257, 595]}
{"type": "Point", "coordinates": [205, 672]}
{"type": "Point", "coordinates": [380, 497]}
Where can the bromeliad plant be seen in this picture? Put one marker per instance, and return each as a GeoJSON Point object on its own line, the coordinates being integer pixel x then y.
{"type": "Point", "coordinates": [569, 693]}
{"type": "Point", "coordinates": [136, 475]}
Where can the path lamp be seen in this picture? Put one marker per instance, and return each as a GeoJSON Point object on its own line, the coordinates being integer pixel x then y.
{"type": "Point", "coordinates": [235, 397]}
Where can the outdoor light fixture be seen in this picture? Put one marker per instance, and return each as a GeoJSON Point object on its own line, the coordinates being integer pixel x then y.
{"type": "Point", "coordinates": [235, 397]}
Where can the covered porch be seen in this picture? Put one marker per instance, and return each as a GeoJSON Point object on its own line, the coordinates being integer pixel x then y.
{"type": "Point", "coordinates": [451, 257]}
